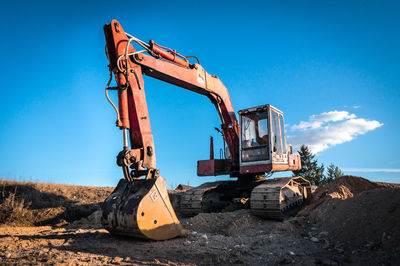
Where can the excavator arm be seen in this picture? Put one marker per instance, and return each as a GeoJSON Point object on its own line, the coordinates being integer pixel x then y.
{"type": "Point", "coordinates": [128, 66]}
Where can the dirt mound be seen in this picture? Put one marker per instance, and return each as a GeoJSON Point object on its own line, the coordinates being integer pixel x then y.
{"type": "Point", "coordinates": [32, 204]}
{"type": "Point", "coordinates": [360, 217]}
{"type": "Point", "coordinates": [227, 223]}
{"type": "Point", "coordinates": [342, 188]}
{"type": "Point", "coordinates": [92, 221]}
{"type": "Point", "coordinates": [371, 216]}
{"type": "Point", "coordinates": [181, 187]}
{"type": "Point", "coordinates": [345, 187]}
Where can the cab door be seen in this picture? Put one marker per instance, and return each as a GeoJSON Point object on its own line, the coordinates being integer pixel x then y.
{"type": "Point", "coordinates": [278, 138]}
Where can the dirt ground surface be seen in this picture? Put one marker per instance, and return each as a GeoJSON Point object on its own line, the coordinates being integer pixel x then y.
{"type": "Point", "coordinates": [351, 221]}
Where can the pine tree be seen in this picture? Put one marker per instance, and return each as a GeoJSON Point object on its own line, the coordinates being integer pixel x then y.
{"type": "Point", "coordinates": [310, 169]}
{"type": "Point", "coordinates": [333, 172]}
{"type": "Point", "coordinates": [338, 172]}
{"type": "Point", "coordinates": [330, 173]}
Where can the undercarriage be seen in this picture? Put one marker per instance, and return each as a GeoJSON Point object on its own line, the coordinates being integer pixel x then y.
{"type": "Point", "coordinates": [270, 199]}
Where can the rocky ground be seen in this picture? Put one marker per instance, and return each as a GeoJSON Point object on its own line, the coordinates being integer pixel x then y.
{"type": "Point", "coordinates": [350, 221]}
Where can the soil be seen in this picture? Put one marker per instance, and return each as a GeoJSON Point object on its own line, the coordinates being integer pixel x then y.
{"type": "Point", "coordinates": [35, 204]}
{"type": "Point", "coordinates": [350, 221]}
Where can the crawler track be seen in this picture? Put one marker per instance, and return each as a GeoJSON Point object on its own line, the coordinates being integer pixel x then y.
{"type": "Point", "coordinates": [275, 198]}
{"type": "Point", "coordinates": [271, 199]}
{"type": "Point", "coordinates": [191, 202]}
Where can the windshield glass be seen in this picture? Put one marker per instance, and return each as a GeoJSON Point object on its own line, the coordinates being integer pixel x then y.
{"type": "Point", "coordinates": [254, 130]}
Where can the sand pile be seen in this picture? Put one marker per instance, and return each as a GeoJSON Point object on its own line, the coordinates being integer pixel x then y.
{"type": "Point", "coordinates": [344, 187]}
{"type": "Point", "coordinates": [359, 215]}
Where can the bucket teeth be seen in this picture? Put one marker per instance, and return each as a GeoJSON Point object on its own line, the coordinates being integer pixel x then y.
{"type": "Point", "coordinates": [141, 209]}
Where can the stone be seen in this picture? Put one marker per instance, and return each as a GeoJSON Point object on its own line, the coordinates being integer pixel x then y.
{"type": "Point", "coordinates": [339, 250]}
{"type": "Point", "coordinates": [118, 259]}
{"type": "Point", "coordinates": [370, 245]}
{"type": "Point", "coordinates": [323, 233]}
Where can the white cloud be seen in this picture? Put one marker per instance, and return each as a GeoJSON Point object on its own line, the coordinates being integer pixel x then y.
{"type": "Point", "coordinates": [356, 106]}
{"type": "Point", "coordinates": [316, 121]}
{"type": "Point", "coordinates": [332, 116]}
{"type": "Point", "coordinates": [329, 129]}
{"type": "Point", "coordinates": [372, 170]}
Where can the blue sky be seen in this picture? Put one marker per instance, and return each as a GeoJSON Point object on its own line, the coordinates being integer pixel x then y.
{"type": "Point", "coordinates": [330, 66]}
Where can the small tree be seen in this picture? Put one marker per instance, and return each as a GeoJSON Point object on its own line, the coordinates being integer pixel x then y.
{"type": "Point", "coordinates": [333, 172]}
{"type": "Point", "coordinates": [310, 169]}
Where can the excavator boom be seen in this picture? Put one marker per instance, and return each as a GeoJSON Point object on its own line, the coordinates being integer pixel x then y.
{"type": "Point", "coordinates": [169, 68]}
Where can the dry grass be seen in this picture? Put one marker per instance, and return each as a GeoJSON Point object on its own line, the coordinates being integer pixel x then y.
{"type": "Point", "coordinates": [14, 211]}
{"type": "Point", "coordinates": [33, 203]}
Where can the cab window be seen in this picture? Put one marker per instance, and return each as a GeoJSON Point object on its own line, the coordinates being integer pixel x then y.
{"type": "Point", "coordinates": [276, 131]}
{"type": "Point", "coordinates": [254, 130]}
{"type": "Point", "coordinates": [283, 133]}
{"type": "Point", "coordinates": [254, 133]}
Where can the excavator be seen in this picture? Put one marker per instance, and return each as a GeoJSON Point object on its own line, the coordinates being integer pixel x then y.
{"type": "Point", "coordinates": [255, 148]}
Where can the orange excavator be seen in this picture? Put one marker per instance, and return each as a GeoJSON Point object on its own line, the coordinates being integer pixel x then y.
{"type": "Point", "coordinates": [255, 147]}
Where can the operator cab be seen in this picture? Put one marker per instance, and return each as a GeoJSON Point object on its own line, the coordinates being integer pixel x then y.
{"type": "Point", "coordinates": [263, 145]}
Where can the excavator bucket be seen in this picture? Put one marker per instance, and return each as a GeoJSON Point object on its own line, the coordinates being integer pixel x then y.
{"type": "Point", "coordinates": [141, 209]}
